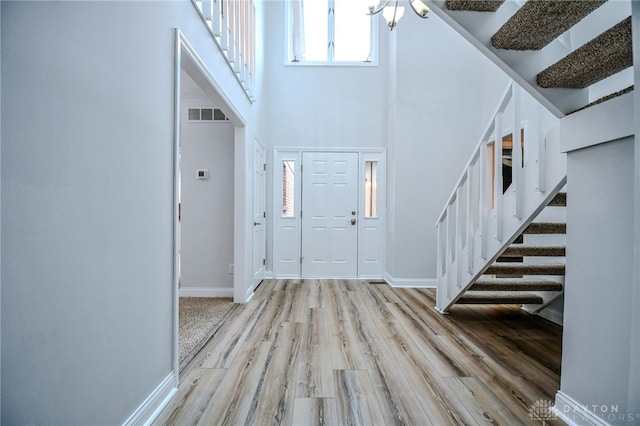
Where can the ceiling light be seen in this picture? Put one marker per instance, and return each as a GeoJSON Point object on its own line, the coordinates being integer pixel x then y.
{"type": "Point", "coordinates": [392, 14]}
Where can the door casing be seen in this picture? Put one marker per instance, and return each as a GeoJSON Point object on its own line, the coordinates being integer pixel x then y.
{"type": "Point", "coordinates": [286, 240]}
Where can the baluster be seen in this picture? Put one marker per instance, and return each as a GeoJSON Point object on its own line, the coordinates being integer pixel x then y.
{"type": "Point", "coordinates": [470, 211]}
{"type": "Point", "coordinates": [497, 188]}
{"type": "Point", "coordinates": [542, 156]}
{"type": "Point", "coordinates": [482, 214]}
{"type": "Point", "coordinates": [215, 18]}
{"type": "Point", "coordinates": [449, 260]}
{"type": "Point", "coordinates": [224, 26]}
{"type": "Point", "coordinates": [207, 10]}
{"type": "Point", "coordinates": [458, 239]}
{"type": "Point", "coordinates": [516, 153]}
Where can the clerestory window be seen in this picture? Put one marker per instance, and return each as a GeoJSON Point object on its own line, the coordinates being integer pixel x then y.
{"type": "Point", "coordinates": [338, 32]}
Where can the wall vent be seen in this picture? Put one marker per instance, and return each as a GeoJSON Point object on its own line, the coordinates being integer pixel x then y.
{"type": "Point", "coordinates": [206, 114]}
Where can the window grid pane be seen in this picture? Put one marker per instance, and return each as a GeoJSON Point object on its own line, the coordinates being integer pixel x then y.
{"type": "Point", "coordinates": [352, 30]}
{"type": "Point", "coordinates": [288, 188]}
{"type": "Point", "coordinates": [316, 30]}
{"type": "Point", "coordinates": [371, 189]}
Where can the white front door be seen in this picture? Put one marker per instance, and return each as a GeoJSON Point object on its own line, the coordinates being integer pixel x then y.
{"type": "Point", "coordinates": [330, 214]}
{"type": "Point", "coordinates": [259, 193]}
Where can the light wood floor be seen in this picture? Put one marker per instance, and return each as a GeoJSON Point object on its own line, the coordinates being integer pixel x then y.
{"type": "Point", "coordinates": [351, 353]}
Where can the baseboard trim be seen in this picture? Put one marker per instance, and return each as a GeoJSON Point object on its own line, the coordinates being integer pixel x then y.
{"type": "Point", "coordinates": [410, 282]}
{"type": "Point", "coordinates": [206, 292]}
{"type": "Point", "coordinates": [150, 409]}
{"type": "Point", "coordinates": [575, 414]}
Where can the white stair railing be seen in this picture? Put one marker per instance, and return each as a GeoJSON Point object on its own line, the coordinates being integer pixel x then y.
{"type": "Point", "coordinates": [480, 219]}
{"type": "Point", "coordinates": [231, 24]}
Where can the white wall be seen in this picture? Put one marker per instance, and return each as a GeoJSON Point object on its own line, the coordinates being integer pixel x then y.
{"type": "Point", "coordinates": [446, 92]}
{"type": "Point", "coordinates": [442, 109]}
{"type": "Point", "coordinates": [319, 106]}
{"type": "Point", "coordinates": [316, 106]}
{"type": "Point", "coordinates": [87, 203]}
{"type": "Point", "coordinates": [207, 208]}
{"type": "Point", "coordinates": [599, 287]}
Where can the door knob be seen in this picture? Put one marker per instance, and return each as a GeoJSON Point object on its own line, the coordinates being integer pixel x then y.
{"type": "Point", "coordinates": [353, 221]}
{"type": "Point", "coordinates": [256, 223]}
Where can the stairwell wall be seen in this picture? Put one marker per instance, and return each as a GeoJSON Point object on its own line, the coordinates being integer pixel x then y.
{"type": "Point", "coordinates": [634, 340]}
{"type": "Point", "coordinates": [443, 93]}
{"type": "Point", "coordinates": [599, 285]}
{"type": "Point", "coordinates": [446, 92]}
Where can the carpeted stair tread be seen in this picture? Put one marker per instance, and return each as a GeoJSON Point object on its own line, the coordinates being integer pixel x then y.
{"type": "Point", "coordinates": [560, 200]}
{"type": "Point", "coordinates": [474, 5]}
{"type": "Point", "coordinates": [517, 250]}
{"type": "Point", "coordinates": [538, 22]}
{"type": "Point", "coordinates": [499, 297]}
{"type": "Point", "coordinates": [546, 228]}
{"type": "Point", "coordinates": [600, 58]}
{"type": "Point", "coordinates": [515, 284]}
{"type": "Point", "coordinates": [517, 268]}
{"type": "Point", "coordinates": [605, 98]}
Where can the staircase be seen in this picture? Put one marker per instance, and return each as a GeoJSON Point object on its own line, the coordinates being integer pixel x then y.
{"type": "Point", "coordinates": [527, 272]}
{"type": "Point", "coordinates": [566, 53]}
{"type": "Point", "coordinates": [564, 56]}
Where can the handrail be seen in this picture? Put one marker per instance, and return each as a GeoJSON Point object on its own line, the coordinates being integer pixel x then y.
{"type": "Point", "coordinates": [504, 101]}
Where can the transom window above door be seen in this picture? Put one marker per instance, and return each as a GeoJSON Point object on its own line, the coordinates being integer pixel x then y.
{"type": "Point", "coordinates": [331, 32]}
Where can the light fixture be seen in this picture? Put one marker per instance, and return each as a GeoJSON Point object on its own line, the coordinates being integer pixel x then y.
{"type": "Point", "coordinates": [392, 14]}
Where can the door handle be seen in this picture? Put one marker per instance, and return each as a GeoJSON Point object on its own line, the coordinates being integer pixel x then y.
{"type": "Point", "coordinates": [256, 223]}
{"type": "Point", "coordinates": [353, 221]}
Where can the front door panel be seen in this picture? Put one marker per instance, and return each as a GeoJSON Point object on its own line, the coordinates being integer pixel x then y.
{"type": "Point", "coordinates": [329, 214]}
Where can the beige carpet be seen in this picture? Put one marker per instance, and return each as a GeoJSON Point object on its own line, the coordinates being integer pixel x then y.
{"type": "Point", "coordinates": [198, 319]}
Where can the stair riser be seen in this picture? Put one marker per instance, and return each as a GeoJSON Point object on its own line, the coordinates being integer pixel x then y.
{"type": "Point", "coordinates": [560, 200]}
{"type": "Point", "coordinates": [535, 252]}
{"type": "Point", "coordinates": [500, 301]}
{"type": "Point", "coordinates": [546, 228]}
{"type": "Point", "coordinates": [516, 287]}
{"type": "Point", "coordinates": [498, 269]}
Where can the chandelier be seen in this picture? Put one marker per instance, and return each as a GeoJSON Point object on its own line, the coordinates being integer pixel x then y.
{"type": "Point", "coordinates": [392, 14]}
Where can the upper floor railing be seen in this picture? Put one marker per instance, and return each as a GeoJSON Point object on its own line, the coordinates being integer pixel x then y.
{"type": "Point", "coordinates": [232, 24]}
{"type": "Point", "coordinates": [516, 168]}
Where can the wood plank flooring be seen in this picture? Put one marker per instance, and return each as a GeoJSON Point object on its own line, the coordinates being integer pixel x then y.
{"type": "Point", "coordinates": [335, 352]}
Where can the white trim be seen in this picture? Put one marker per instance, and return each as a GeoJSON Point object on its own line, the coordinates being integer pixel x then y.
{"type": "Point", "coordinates": [206, 292]}
{"type": "Point", "coordinates": [193, 62]}
{"type": "Point", "coordinates": [374, 49]}
{"type": "Point", "coordinates": [575, 414]}
{"type": "Point", "coordinates": [410, 282]}
{"type": "Point", "coordinates": [585, 128]}
{"type": "Point", "coordinates": [185, 47]}
{"type": "Point", "coordinates": [294, 149]}
{"type": "Point", "coordinates": [295, 153]}
{"type": "Point", "coordinates": [149, 410]}
{"type": "Point", "coordinates": [176, 199]}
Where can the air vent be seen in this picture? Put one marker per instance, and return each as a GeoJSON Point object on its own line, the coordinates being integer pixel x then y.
{"type": "Point", "coordinates": [206, 114]}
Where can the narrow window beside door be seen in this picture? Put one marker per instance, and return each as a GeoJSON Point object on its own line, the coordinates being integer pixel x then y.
{"type": "Point", "coordinates": [371, 189]}
{"type": "Point", "coordinates": [288, 188]}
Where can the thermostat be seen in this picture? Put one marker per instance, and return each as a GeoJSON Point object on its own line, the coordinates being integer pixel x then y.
{"type": "Point", "coordinates": [203, 174]}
